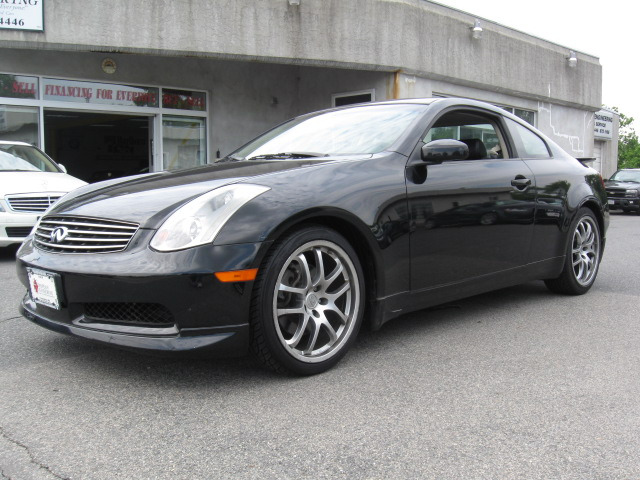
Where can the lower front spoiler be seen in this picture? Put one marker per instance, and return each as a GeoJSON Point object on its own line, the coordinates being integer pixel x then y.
{"type": "Point", "coordinates": [229, 341]}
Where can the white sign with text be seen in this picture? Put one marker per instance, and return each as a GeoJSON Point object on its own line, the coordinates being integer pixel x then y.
{"type": "Point", "coordinates": [603, 124]}
{"type": "Point", "coordinates": [22, 15]}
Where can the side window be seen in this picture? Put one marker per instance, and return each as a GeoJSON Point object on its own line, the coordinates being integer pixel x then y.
{"type": "Point", "coordinates": [478, 131]}
{"type": "Point", "coordinates": [528, 143]}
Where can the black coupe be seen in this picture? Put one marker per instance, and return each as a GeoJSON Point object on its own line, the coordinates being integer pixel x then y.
{"type": "Point", "coordinates": [286, 245]}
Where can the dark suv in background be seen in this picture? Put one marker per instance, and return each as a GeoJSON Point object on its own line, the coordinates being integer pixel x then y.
{"type": "Point", "coordinates": [623, 190]}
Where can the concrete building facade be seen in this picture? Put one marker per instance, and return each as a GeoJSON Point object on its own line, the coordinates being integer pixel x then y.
{"type": "Point", "coordinates": [120, 87]}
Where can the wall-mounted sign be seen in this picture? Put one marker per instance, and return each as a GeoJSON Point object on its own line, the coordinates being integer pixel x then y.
{"type": "Point", "coordinates": [603, 125]}
{"type": "Point", "coordinates": [99, 93]}
{"type": "Point", "coordinates": [22, 15]}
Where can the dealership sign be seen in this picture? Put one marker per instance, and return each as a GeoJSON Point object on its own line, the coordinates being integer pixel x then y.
{"type": "Point", "coordinates": [22, 15]}
{"type": "Point", "coordinates": [99, 93]}
{"type": "Point", "coordinates": [603, 125]}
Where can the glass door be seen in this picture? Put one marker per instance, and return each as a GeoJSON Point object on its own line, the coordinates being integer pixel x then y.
{"type": "Point", "coordinates": [184, 143]}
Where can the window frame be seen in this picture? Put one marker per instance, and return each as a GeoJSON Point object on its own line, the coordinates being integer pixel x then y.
{"type": "Point", "coordinates": [493, 118]}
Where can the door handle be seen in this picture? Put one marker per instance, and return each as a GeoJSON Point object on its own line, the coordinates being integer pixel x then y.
{"type": "Point", "coordinates": [521, 182]}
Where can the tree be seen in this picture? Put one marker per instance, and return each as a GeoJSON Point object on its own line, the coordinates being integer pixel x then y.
{"type": "Point", "coordinates": [628, 144]}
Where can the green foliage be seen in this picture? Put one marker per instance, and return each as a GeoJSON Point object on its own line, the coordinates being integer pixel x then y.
{"type": "Point", "coordinates": [628, 144]}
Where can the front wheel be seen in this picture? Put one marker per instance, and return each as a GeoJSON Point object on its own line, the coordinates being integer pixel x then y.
{"type": "Point", "coordinates": [582, 258]}
{"type": "Point", "coordinates": [308, 302]}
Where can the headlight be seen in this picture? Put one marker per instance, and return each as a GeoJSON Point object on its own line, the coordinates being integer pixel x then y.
{"type": "Point", "coordinates": [1, 208]}
{"type": "Point", "coordinates": [631, 193]}
{"type": "Point", "coordinates": [199, 221]}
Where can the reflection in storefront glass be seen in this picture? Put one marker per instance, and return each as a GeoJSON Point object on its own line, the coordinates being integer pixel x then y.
{"type": "Point", "coordinates": [18, 86]}
{"type": "Point", "coordinates": [19, 124]}
{"type": "Point", "coordinates": [184, 142]}
{"type": "Point", "coordinates": [184, 100]}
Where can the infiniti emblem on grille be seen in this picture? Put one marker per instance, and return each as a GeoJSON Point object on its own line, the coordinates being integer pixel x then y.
{"type": "Point", "coordinates": [58, 234]}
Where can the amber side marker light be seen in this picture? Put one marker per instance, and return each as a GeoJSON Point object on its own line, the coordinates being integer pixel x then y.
{"type": "Point", "coordinates": [237, 275]}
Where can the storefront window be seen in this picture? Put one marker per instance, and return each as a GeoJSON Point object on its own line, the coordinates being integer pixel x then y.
{"type": "Point", "coordinates": [18, 86]}
{"type": "Point", "coordinates": [526, 115]}
{"type": "Point", "coordinates": [184, 142]}
{"type": "Point", "coordinates": [19, 124]}
{"type": "Point", "coordinates": [184, 100]}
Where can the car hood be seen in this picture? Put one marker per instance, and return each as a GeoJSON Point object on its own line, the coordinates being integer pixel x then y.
{"type": "Point", "coordinates": [12, 183]}
{"type": "Point", "coordinates": [627, 185]}
{"type": "Point", "coordinates": [149, 199]}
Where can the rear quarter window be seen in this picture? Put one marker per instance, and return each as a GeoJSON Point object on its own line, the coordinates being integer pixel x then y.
{"type": "Point", "coordinates": [528, 144]}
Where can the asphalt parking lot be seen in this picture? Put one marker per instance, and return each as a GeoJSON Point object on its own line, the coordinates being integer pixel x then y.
{"type": "Point", "coordinates": [516, 384]}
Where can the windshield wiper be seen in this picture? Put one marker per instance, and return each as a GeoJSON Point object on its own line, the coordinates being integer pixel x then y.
{"type": "Point", "coordinates": [229, 158]}
{"type": "Point", "coordinates": [284, 155]}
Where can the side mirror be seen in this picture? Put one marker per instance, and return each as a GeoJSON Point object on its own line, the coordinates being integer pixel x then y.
{"type": "Point", "coordinates": [63, 168]}
{"type": "Point", "coordinates": [438, 151]}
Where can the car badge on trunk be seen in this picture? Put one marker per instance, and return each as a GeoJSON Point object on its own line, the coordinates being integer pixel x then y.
{"type": "Point", "coordinates": [58, 234]}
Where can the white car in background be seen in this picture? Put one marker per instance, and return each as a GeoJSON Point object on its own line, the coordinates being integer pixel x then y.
{"type": "Point", "coordinates": [29, 183]}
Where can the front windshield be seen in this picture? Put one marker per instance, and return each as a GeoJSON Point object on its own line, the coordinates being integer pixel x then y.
{"type": "Point", "coordinates": [24, 158]}
{"type": "Point", "coordinates": [627, 176]}
{"type": "Point", "coordinates": [359, 130]}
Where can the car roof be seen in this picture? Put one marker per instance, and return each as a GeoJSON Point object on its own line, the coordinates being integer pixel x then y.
{"type": "Point", "coordinates": [447, 101]}
{"type": "Point", "coordinates": [8, 142]}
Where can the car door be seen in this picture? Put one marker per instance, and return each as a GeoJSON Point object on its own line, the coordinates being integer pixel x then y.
{"type": "Point", "coordinates": [469, 218]}
{"type": "Point", "coordinates": [552, 187]}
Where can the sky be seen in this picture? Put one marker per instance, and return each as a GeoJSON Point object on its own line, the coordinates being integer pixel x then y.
{"type": "Point", "coordinates": [609, 30]}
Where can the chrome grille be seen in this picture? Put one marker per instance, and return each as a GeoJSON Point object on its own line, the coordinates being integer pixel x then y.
{"type": "Point", "coordinates": [32, 203]}
{"type": "Point", "coordinates": [83, 234]}
{"type": "Point", "coordinates": [616, 192]}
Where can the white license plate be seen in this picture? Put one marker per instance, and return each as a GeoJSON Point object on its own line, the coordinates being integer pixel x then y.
{"type": "Point", "coordinates": [611, 202]}
{"type": "Point", "coordinates": [43, 287]}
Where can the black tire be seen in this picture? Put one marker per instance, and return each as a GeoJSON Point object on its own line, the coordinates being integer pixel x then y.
{"type": "Point", "coordinates": [582, 259]}
{"type": "Point", "coordinates": [310, 281]}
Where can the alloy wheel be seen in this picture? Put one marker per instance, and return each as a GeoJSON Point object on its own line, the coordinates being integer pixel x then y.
{"type": "Point", "coordinates": [316, 301]}
{"type": "Point", "coordinates": [585, 250]}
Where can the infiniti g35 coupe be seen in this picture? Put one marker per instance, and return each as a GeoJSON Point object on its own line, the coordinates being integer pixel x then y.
{"type": "Point", "coordinates": [285, 246]}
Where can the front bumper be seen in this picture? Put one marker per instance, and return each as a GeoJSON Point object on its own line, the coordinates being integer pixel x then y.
{"type": "Point", "coordinates": [200, 312]}
{"type": "Point", "coordinates": [624, 203]}
{"type": "Point", "coordinates": [14, 227]}
{"type": "Point", "coordinates": [230, 341]}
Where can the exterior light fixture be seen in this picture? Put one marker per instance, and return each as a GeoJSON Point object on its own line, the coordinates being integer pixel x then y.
{"type": "Point", "coordinates": [294, 2]}
{"type": "Point", "coordinates": [572, 59]}
{"type": "Point", "coordinates": [476, 30]}
{"type": "Point", "coordinates": [109, 66]}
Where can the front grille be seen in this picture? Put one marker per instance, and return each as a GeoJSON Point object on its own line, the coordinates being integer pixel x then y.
{"type": "Point", "coordinates": [616, 192]}
{"type": "Point", "coordinates": [18, 232]}
{"type": "Point", "coordinates": [83, 234]}
{"type": "Point", "coordinates": [32, 203]}
{"type": "Point", "coordinates": [147, 314]}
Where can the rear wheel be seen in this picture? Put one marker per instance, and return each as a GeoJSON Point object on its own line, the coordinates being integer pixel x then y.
{"type": "Point", "coordinates": [582, 257]}
{"type": "Point", "coordinates": [308, 302]}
